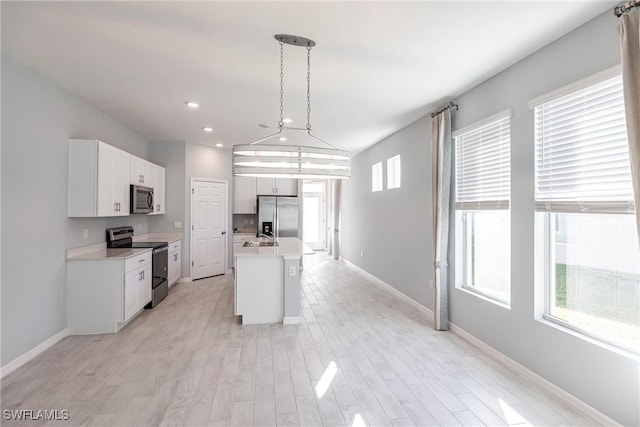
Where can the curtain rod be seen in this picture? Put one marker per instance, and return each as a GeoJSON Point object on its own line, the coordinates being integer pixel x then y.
{"type": "Point", "coordinates": [450, 105]}
{"type": "Point", "coordinates": [625, 7]}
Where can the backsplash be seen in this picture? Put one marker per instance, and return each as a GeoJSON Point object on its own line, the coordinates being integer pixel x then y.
{"type": "Point", "coordinates": [245, 223]}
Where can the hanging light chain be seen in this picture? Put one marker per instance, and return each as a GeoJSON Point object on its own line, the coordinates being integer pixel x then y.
{"type": "Point", "coordinates": [281, 122]}
{"type": "Point", "coordinates": [309, 88]}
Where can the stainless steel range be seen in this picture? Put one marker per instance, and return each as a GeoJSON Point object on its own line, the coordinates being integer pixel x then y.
{"type": "Point", "coordinates": [122, 237]}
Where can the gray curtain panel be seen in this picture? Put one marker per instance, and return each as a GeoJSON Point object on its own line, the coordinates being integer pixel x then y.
{"type": "Point", "coordinates": [336, 218]}
{"type": "Point", "coordinates": [630, 43]}
{"type": "Point", "coordinates": [441, 164]}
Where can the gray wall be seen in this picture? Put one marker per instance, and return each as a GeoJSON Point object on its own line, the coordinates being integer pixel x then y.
{"type": "Point", "coordinates": [37, 120]}
{"type": "Point", "coordinates": [392, 228]}
{"type": "Point", "coordinates": [605, 379]}
{"type": "Point", "coordinates": [202, 161]}
{"type": "Point", "coordinates": [170, 155]}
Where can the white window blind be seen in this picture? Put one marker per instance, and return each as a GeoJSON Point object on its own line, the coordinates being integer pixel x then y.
{"type": "Point", "coordinates": [582, 154]}
{"type": "Point", "coordinates": [483, 171]}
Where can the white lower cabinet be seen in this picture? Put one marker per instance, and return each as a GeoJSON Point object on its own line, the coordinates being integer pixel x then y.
{"type": "Point", "coordinates": [103, 294]}
{"type": "Point", "coordinates": [175, 262]}
{"type": "Point", "coordinates": [137, 290]}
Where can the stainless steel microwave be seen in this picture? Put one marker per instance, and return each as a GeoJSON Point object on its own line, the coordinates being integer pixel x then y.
{"type": "Point", "coordinates": [141, 199]}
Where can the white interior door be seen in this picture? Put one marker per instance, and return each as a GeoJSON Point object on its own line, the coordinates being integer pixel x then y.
{"type": "Point", "coordinates": [208, 228]}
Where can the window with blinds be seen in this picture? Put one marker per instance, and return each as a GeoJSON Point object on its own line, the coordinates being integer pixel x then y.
{"type": "Point", "coordinates": [483, 172]}
{"type": "Point", "coordinates": [582, 154]}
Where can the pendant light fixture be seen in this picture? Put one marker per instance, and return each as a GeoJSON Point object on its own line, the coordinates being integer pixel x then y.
{"type": "Point", "coordinates": [303, 155]}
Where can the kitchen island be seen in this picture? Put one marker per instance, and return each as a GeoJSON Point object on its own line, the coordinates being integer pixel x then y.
{"type": "Point", "coordinates": [267, 282]}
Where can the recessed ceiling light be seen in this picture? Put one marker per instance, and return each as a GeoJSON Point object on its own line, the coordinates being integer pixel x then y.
{"type": "Point", "coordinates": [207, 129]}
{"type": "Point", "coordinates": [192, 104]}
{"type": "Point", "coordinates": [219, 145]}
{"type": "Point", "coordinates": [282, 138]}
{"type": "Point", "coordinates": [287, 121]}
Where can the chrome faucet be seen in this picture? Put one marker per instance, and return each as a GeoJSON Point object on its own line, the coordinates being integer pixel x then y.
{"type": "Point", "coordinates": [272, 237]}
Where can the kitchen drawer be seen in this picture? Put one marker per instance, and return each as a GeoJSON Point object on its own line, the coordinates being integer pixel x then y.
{"type": "Point", "coordinates": [137, 261]}
{"type": "Point", "coordinates": [175, 246]}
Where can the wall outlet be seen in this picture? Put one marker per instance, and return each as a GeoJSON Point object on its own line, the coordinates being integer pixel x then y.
{"type": "Point", "coordinates": [85, 233]}
{"type": "Point", "coordinates": [139, 226]}
{"type": "Point", "coordinates": [251, 221]}
{"type": "Point", "coordinates": [177, 224]}
{"type": "Point", "coordinates": [361, 254]}
{"type": "Point", "coordinates": [431, 284]}
{"type": "Point", "coordinates": [245, 221]}
{"type": "Point", "coordinates": [292, 270]}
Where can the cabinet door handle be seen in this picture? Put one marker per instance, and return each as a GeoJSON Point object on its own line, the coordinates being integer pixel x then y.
{"type": "Point", "coordinates": [141, 260]}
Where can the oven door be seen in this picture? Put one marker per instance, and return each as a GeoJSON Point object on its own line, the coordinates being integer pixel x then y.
{"type": "Point", "coordinates": [141, 199]}
{"type": "Point", "coordinates": [160, 264]}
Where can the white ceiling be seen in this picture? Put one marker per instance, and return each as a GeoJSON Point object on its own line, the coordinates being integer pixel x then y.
{"type": "Point", "coordinates": [377, 66]}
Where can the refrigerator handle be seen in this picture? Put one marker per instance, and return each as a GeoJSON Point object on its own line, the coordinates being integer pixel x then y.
{"type": "Point", "coordinates": [274, 219]}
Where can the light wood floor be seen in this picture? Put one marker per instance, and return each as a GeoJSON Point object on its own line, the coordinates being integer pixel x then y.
{"type": "Point", "coordinates": [189, 362]}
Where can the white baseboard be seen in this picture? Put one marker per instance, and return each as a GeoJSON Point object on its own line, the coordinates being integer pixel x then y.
{"type": "Point", "coordinates": [184, 280]}
{"type": "Point", "coordinates": [542, 382]}
{"type": "Point", "coordinates": [291, 320]}
{"type": "Point", "coordinates": [35, 351]}
{"type": "Point", "coordinates": [388, 287]}
{"type": "Point", "coordinates": [561, 394]}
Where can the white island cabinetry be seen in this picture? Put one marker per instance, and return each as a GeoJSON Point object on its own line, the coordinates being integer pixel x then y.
{"type": "Point", "coordinates": [267, 282]}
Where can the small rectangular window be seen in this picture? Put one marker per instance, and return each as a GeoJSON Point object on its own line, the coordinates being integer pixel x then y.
{"type": "Point", "coordinates": [483, 191]}
{"type": "Point", "coordinates": [376, 177]}
{"type": "Point", "coordinates": [393, 172]}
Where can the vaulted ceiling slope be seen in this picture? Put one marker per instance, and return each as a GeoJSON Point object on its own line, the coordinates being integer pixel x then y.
{"type": "Point", "coordinates": [377, 66]}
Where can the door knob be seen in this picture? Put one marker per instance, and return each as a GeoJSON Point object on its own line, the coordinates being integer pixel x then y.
{"type": "Point", "coordinates": [224, 232]}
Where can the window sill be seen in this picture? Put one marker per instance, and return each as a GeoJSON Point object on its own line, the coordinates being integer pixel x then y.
{"type": "Point", "coordinates": [586, 336]}
{"type": "Point", "coordinates": [483, 296]}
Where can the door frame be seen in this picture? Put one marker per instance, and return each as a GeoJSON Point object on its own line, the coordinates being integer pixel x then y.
{"type": "Point", "coordinates": [226, 219]}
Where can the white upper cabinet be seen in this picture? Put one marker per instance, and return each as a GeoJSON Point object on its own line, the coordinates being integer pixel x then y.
{"type": "Point", "coordinates": [286, 186]}
{"type": "Point", "coordinates": [244, 195]}
{"type": "Point", "coordinates": [140, 172]}
{"type": "Point", "coordinates": [277, 186]}
{"type": "Point", "coordinates": [98, 179]}
{"type": "Point", "coordinates": [156, 178]}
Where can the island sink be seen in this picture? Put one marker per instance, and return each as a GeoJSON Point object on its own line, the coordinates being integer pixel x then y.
{"type": "Point", "coordinates": [259, 243]}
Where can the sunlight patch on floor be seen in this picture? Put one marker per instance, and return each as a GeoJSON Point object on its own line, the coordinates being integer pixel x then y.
{"type": "Point", "coordinates": [325, 379]}
{"type": "Point", "coordinates": [511, 416]}
{"type": "Point", "coordinates": [358, 421]}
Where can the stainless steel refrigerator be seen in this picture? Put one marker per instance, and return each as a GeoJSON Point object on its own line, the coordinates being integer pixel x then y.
{"type": "Point", "coordinates": [278, 216]}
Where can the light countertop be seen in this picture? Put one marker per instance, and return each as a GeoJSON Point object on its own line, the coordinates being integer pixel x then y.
{"type": "Point", "coordinates": [122, 253]}
{"type": "Point", "coordinates": [287, 246]}
{"type": "Point", "coordinates": [158, 237]}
